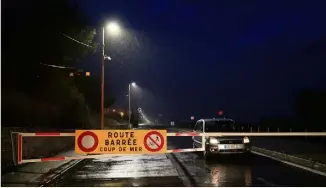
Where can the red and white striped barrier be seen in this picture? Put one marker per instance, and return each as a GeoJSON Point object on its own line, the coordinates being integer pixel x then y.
{"type": "Point", "coordinates": [61, 158]}
{"type": "Point", "coordinates": [190, 149]}
{"type": "Point", "coordinates": [46, 134]}
{"type": "Point", "coordinates": [267, 134]}
{"type": "Point", "coordinates": [20, 136]}
{"type": "Point", "coordinates": [201, 134]}
{"type": "Point", "coordinates": [185, 150]}
{"type": "Point", "coordinates": [250, 134]}
{"type": "Point", "coordinates": [186, 134]}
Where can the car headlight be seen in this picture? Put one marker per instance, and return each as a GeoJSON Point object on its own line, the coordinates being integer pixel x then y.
{"type": "Point", "coordinates": [213, 141]}
{"type": "Point", "coordinates": [246, 140]}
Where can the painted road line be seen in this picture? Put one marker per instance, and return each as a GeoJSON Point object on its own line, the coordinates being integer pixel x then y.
{"type": "Point", "coordinates": [290, 163]}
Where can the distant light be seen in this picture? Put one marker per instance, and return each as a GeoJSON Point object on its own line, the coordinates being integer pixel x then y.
{"type": "Point", "coordinates": [114, 28]}
{"type": "Point", "coordinates": [220, 112]}
{"type": "Point", "coordinates": [192, 117]}
{"type": "Point", "coordinates": [121, 114]}
{"type": "Point", "coordinates": [133, 84]}
{"type": "Point", "coordinates": [88, 73]}
{"type": "Point", "coordinates": [71, 74]}
{"type": "Point", "coordinates": [113, 110]}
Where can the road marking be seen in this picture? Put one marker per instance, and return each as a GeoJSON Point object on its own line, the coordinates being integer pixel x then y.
{"type": "Point", "coordinates": [291, 164]}
{"type": "Point", "coordinates": [270, 184]}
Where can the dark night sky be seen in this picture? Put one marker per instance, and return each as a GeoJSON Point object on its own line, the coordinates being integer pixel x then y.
{"type": "Point", "coordinates": [194, 57]}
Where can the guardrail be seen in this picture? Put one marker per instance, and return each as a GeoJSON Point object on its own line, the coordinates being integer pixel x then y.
{"type": "Point", "coordinates": [309, 163]}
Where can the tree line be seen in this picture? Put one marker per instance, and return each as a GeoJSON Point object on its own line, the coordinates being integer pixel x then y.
{"type": "Point", "coordinates": [36, 34]}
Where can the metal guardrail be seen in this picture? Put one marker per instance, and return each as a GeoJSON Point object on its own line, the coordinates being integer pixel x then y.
{"type": "Point", "coordinates": [290, 158]}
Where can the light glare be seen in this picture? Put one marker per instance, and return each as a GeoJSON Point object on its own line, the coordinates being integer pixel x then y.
{"type": "Point", "coordinates": [114, 28]}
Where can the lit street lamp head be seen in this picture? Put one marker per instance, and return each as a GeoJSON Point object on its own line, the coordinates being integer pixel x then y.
{"type": "Point", "coordinates": [133, 84]}
{"type": "Point", "coordinates": [114, 28]}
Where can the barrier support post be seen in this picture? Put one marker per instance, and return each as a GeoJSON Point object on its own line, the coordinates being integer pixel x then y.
{"type": "Point", "coordinates": [20, 148]}
{"type": "Point", "coordinates": [203, 140]}
{"type": "Point", "coordinates": [13, 148]}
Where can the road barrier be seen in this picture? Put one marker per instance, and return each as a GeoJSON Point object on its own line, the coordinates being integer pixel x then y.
{"type": "Point", "coordinates": [145, 140]}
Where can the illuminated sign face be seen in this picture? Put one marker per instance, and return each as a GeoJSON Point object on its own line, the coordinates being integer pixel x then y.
{"type": "Point", "coordinates": [120, 141]}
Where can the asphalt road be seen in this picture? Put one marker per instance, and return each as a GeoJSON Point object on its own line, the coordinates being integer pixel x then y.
{"type": "Point", "coordinates": [236, 171]}
{"type": "Point", "coordinates": [157, 170]}
{"type": "Point", "coordinates": [122, 171]}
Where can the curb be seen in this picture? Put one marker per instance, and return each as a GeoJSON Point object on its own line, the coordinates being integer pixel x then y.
{"type": "Point", "coordinates": [52, 177]}
{"type": "Point", "coordinates": [186, 177]}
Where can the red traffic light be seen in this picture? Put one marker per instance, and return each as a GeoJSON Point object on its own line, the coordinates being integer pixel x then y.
{"type": "Point", "coordinates": [220, 112]}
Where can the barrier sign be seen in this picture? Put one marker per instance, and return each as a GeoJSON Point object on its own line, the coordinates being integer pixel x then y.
{"type": "Point", "coordinates": [120, 141]}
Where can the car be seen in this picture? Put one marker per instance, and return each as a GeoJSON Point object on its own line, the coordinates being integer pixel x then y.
{"type": "Point", "coordinates": [220, 145]}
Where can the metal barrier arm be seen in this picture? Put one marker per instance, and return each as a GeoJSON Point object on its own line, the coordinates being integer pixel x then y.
{"type": "Point", "coordinates": [186, 134]}
{"type": "Point", "coordinates": [61, 158]}
{"type": "Point", "coordinates": [191, 149]}
{"type": "Point", "coordinates": [20, 136]}
{"type": "Point", "coordinates": [46, 134]}
{"type": "Point", "coordinates": [267, 134]}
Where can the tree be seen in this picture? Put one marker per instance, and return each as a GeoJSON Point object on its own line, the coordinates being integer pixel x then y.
{"type": "Point", "coordinates": [91, 88]}
{"type": "Point", "coordinates": [45, 32]}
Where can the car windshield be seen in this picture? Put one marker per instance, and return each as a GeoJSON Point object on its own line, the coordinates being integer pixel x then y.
{"type": "Point", "coordinates": [220, 126]}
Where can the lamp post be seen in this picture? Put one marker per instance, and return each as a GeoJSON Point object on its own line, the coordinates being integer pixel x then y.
{"type": "Point", "coordinates": [113, 27]}
{"type": "Point", "coordinates": [129, 95]}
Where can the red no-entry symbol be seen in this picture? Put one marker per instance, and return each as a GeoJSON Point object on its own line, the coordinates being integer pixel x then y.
{"type": "Point", "coordinates": [87, 141]}
{"type": "Point", "coordinates": [153, 141]}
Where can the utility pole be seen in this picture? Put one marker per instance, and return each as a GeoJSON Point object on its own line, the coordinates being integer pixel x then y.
{"type": "Point", "coordinates": [102, 83]}
{"type": "Point", "coordinates": [129, 113]}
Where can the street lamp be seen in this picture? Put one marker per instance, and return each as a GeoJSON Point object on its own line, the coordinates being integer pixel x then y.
{"type": "Point", "coordinates": [133, 84]}
{"type": "Point", "coordinates": [114, 28]}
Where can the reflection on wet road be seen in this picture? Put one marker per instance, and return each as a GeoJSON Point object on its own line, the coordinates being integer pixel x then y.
{"type": "Point", "coordinates": [126, 171]}
{"type": "Point", "coordinates": [220, 174]}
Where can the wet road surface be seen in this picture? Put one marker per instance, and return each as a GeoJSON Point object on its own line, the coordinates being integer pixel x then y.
{"type": "Point", "coordinates": [237, 171]}
{"type": "Point", "coordinates": [122, 171]}
{"type": "Point", "coordinates": [157, 170]}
